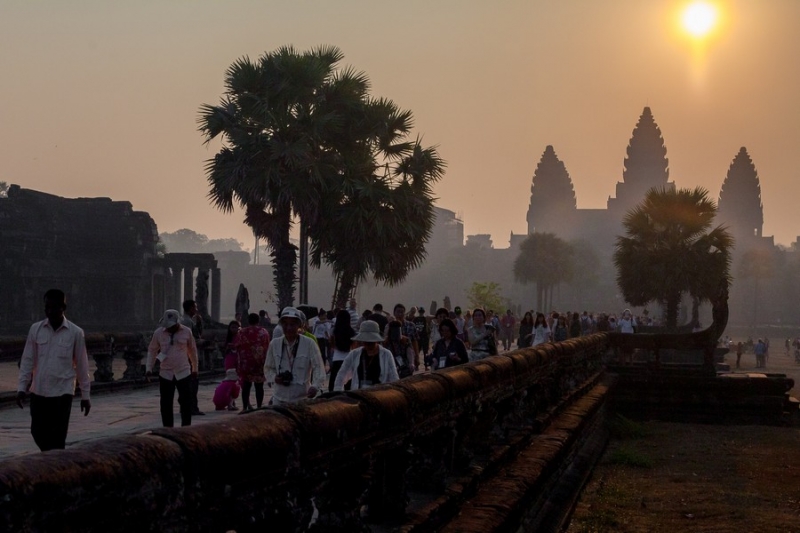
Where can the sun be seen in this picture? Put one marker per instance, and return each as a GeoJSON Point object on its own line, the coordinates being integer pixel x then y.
{"type": "Point", "coordinates": [699, 18]}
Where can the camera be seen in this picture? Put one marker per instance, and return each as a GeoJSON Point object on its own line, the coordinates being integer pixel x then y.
{"type": "Point", "coordinates": [284, 378]}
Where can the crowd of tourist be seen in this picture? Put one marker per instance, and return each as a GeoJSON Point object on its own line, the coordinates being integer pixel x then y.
{"type": "Point", "coordinates": [344, 349]}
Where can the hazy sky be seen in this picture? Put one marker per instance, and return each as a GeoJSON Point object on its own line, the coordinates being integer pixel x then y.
{"type": "Point", "coordinates": [100, 98]}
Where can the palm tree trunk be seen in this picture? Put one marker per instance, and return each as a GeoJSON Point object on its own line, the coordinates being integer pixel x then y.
{"type": "Point", "coordinates": [539, 293]}
{"type": "Point", "coordinates": [303, 270]}
{"type": "Point", "coordinates": [673, 302]}
{"type": "Point", "coordinates": [347, 284]}
{"type": "Point", "coordinates": [275, 229]}
{"type": "Point", "coordinates": [695, 311]}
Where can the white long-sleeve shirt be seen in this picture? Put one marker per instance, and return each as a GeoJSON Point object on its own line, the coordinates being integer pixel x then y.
{"type": "Point", "coordinates": [349, 369]}
{"type": "Point", "coordinates": [180, 350]}
{"type": "Point", "coordinates": [52, 361]}
{"type": "Point", "coordinates": [305, 364]}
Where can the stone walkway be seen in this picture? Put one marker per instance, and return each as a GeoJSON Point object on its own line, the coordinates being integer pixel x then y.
{"type": "Point", "coordinates": [124, 412]}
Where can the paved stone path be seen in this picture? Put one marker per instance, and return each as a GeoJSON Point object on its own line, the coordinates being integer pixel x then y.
{"type": "Point", "coordinates": [118, 413]}
{"type": "Point", "coordinates": [137, 411]}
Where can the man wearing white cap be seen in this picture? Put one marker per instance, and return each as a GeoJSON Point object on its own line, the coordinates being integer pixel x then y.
{"type": "Point", "coordinates": [294, 367]}
{"type": "Point", "coordinates": [370, 364]}
{"type": "Point", "coordinates": [174, 346]}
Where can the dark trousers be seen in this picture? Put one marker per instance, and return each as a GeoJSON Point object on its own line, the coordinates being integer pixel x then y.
{"type": "Point", "coordinates": [335, 366]}
{"type": "Point", "coordinates": [167, 390]}
{"type": "Point", "coordinates": [195, 386]}
{"type": "Point", "coordinates": [246, 393]}
{"type": "Point", "coordinates": [50, 420]}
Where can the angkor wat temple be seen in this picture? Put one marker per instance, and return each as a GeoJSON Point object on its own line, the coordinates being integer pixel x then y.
{"type": "Point", "coordinates": [553, 208]}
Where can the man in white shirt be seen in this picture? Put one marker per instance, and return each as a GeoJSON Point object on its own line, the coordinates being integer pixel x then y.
{"type": "Point", "coordinates": [294, 367]}
{"type": "Point", "coordinates": [174, 346]}
{"type": "Point", "coordinates": [53, 358]}
{"type": "Point", "coordinates": [355, 318]}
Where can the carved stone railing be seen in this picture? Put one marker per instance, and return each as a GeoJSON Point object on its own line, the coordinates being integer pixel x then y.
{"type": "Point", "coordinates": [436, 437]}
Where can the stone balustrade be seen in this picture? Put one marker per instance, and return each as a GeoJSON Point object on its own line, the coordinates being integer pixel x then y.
{"type": "Point", "coordinates": [411, 452]}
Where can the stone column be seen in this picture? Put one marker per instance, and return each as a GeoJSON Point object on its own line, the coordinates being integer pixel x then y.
{"type": "Point", "coordinates": [175, 294]}
{"type": "Point", "coordinates": [188, 286]}
{"type": "Point", "coordinates": [103, 363]}
{"type": "Point", "coordinates": [216, 290]}
{"type": "Point", "coordinates": [201, 292]}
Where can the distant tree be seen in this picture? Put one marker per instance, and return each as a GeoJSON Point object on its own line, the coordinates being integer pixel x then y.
{"type": "Point", "coordinates": [223, 245]}
{"type": "Point", "coordinates": [189, 241]}
{"type": "Point", "coordinates": [546, 260]}
{"type": "Point", "coordinates": [670, 249]}
{"type": "Point", "coordinates": [486, 295]}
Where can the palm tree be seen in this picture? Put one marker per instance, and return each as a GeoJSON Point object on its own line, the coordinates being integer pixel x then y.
{"type": "Point", "coordinates": [283, 123]}
{"type": "Point", "coordinates": [670, 248]}
{"type": "Point", "coordinates": [546, 260]}
{"type": "Point", "coordinates": [304, 141]}
{"type": "Point", "coordinates": [379, 223]}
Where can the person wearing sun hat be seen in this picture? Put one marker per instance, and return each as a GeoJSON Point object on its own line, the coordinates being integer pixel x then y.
{"type": "Point", "coordinates": [293, 367]}
{"type": "Point", "coordinates": [173, 345]}
{"type": "Point", "coordinates": [368, 365]}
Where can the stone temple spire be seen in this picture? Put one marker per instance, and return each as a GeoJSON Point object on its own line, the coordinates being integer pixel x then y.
{"type": "Point", "coordinates": [740, 205]}
{"type": "Point", "coordinates": [552, 194]}
{"type": "Point", "coordinates": [646, 165]}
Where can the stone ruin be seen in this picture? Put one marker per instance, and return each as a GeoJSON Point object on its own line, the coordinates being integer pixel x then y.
{"type": "Point", "coordinates": [103, 255]}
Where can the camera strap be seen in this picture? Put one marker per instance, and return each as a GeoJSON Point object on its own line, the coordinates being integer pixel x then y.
{"type": "Point", "coordinates": [293, 356]}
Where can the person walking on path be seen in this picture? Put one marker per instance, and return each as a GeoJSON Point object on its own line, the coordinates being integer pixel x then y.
{"type": "Point", "coordinates": [507, 325]}
{"type": "Point", "coordinates": [293, 367]}
{"type": "Point", "coordinates": [739, 350]}
{"type": "Point", "coordinates": [173, 345]}
{"type": "Point", "coordinates": [342, 344]}
{"type": "Point", "coordinates": [448, 350]}
{"type": "Point", "coordinates": [54, 358]}
{"type": "Point", "coordinates": [251, 345]}
{"type": "Point", "coordinates": [369, 365]}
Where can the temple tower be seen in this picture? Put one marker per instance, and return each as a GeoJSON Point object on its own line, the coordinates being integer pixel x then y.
{"type": "Point", "coordinates": [553, 203]}
{"type": "Point", "coordinates": [740, 205]}
{"type": "Point", "coordinates": [646, 166]}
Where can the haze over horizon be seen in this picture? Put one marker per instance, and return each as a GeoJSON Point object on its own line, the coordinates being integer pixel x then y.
{"type": "Point", "coordinates": [101, 98]}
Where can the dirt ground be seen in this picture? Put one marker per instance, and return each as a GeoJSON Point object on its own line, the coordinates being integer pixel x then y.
{"type": "Point", "coordinates": [668, 477]}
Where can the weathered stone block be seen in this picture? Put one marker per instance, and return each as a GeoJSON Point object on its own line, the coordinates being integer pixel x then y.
{"type": "Point", "coordinates": [119, 483]}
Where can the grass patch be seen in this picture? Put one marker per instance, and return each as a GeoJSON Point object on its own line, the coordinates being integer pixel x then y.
{"type": "Point", "coordinates": [598, 521]}
{"type": "Point", "coordinates": [630, 457]}
{"type": "Point", "coordinates": [624, 428]}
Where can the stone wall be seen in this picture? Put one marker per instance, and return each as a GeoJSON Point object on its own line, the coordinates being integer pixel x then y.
{"type": "Point", "coordinates": [100, 252]}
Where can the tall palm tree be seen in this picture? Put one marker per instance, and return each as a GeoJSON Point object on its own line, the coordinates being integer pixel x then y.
{"type": "Point", "coordinates": [379, 222]}
{"type": "Point", "coordinates": [670, 248]}
{"type": "Point", "coordinates": [546, 260]}
{"type": "Point", "coordinates": [283, 123]}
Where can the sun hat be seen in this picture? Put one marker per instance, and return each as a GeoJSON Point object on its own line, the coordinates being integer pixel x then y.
{"type": "Point", "coordinates": [231, 375]}
{"type": "Point", "coordinates": [369, 331]}
{"type": "Point", "coordinates": [170, 318]}
{"type": "Point", "coordinates": [291, 312]}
